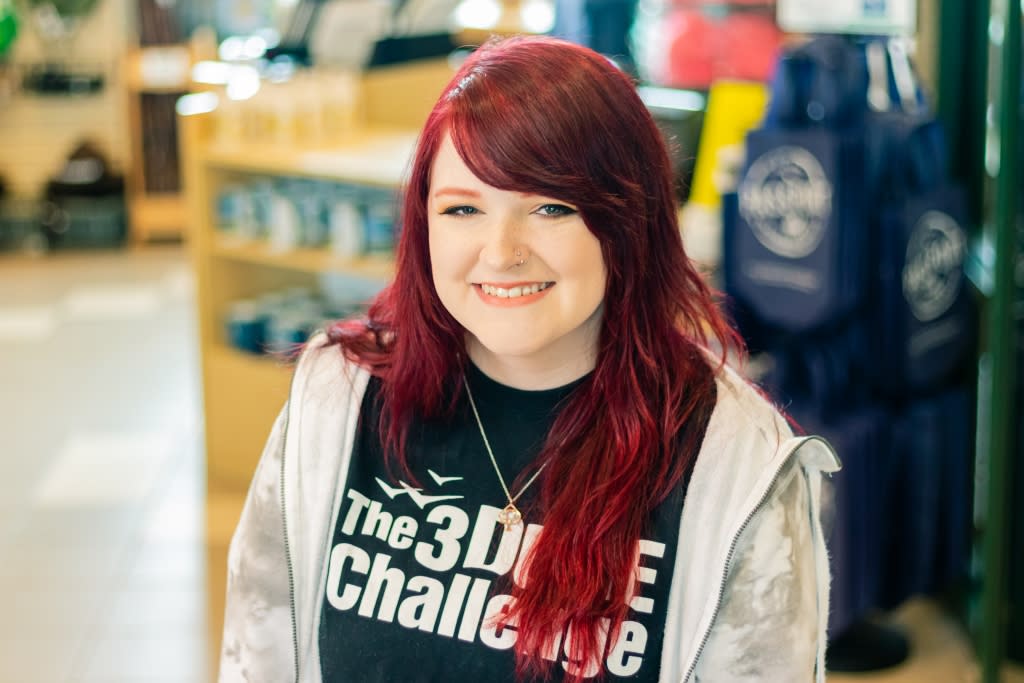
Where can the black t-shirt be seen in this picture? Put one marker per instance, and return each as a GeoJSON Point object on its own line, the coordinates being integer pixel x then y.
{"type": "Point", "coordinates": [417, 573]}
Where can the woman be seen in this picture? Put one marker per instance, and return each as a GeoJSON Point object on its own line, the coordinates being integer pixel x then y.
{"type": "Point", "coordinates": [484, 480]}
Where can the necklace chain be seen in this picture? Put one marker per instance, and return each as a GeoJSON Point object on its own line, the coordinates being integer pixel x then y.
{"type": "Point", "coordinates": [510, 516]}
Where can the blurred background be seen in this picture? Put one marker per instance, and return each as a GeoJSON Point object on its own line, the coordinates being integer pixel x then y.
{"type": "Point", "coordinates": [189, 188]}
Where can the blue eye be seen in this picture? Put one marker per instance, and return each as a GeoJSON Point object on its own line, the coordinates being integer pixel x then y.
{"type": "Point", "coordinates": [555, 210]}
{"type": "Point", "coordinates": [460, 210]}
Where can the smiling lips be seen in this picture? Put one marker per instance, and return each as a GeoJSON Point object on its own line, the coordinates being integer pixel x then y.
{"type": "Point", "coordinates": [512, 293]}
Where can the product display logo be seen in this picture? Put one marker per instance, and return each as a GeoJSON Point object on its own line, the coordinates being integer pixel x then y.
{"type": "Point", "coordinates": [786, 198]}
{"type": "Point", "coordinates": [933, 271]}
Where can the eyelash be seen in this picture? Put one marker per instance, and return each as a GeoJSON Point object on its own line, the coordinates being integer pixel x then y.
{"type": "Point", "coordinates": [559, 210]}
{"type": "Point", "coordinates": [460, 210]}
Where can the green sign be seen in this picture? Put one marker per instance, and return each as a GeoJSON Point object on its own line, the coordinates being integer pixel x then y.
{"type": "Point", "coordinates": [8, 25]}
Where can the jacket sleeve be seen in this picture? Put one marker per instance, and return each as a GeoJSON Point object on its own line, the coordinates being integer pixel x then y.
{"type": "Point", "coordinates": [258, 634]}
{"type": "Point", "coordinates": [767, 627]}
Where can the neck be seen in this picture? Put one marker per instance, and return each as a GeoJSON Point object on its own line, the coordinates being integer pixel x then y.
{"type": "Point", "coordinates": [531, 374]}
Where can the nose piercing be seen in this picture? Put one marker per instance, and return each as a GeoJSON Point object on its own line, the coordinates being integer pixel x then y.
{"type": "Point", "coordinates": [519, 255]}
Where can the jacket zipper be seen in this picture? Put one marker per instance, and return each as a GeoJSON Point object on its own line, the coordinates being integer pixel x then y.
{"type": "Point", "coordinates": [287, 543]}
{"type": "Point", "coordinates": [284, 521]}
{"type": "Point", "coordinates": [728, 562]}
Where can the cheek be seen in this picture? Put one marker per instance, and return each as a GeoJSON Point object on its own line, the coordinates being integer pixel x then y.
{"type": "Point", "coordinates": [589, 267]}
{"type": "Point", "coordinates": [438, 264]}
{"type": "Point", "coordinates": [447, 270]}
{"type": "Point", "coordinates": [433, 245]}
{"type": "Point", "coordinates": [451, 257]}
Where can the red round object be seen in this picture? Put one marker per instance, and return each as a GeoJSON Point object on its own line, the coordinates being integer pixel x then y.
{"type": "Point", "coordinates": [691, 39]}
{"type": "Point", "coordinates": [748, 49]}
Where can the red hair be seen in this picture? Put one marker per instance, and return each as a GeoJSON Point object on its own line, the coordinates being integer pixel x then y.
{"type": "Point", "coordinates": [545, 116]}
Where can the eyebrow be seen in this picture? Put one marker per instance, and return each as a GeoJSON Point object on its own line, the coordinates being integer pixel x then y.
{"type": "Point", "coordinates": [458, 191]}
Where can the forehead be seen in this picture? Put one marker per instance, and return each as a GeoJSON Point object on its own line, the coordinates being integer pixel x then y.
{"type": "Point", "coordinates": [448, 166]}
{"type": "Point", "coordinates": [449, 172]}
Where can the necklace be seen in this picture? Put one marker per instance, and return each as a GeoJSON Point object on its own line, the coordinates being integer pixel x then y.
{"type": "Point", "coordinates": [510, 515]}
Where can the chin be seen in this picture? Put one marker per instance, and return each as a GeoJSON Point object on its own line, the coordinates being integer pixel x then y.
{"type": "Point", "coordinates": [502, 349]}
{"type": "Point", "coordinates": [506, 346]}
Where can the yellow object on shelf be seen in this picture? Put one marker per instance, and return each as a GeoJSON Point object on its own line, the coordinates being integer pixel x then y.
{"type": "Point", "coordinates": [734, 108]}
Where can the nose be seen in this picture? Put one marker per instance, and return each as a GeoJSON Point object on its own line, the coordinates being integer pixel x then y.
{"type": "Point", "coordinates": [503, 247]}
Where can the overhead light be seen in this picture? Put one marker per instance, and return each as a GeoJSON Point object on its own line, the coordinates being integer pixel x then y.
{"type": "Point", "coordinates": [537, 16]}
{"type": "Point", "coordinates": [211, 73]}
{"type": "Point", "coordinates": [197, 103]}
{"type": "Point", "coordinates": [483, 14]}
{"type": "Point", "coordinates": [243, 83]}
{"type": "Point", "coordinates": [232, 49]}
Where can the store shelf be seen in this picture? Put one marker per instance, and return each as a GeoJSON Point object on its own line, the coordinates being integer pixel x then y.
{"type": "Point", "coordinates": [372, 156]}
{"type": "Point", "coordinates": [305, 259]}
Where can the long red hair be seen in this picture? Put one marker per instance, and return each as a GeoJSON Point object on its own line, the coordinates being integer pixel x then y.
{"type": "Point", "coordinates": [545, 116]}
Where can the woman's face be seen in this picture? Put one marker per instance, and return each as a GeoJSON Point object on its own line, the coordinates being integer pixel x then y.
{"type": "Point", "coordinates": [530, 326]}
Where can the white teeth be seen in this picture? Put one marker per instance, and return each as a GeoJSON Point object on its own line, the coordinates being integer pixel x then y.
{"type": "Point", "coordinates": [513, 292]}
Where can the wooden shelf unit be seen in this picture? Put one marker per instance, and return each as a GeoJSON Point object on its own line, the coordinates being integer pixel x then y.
{"type": "Point", "coordinates": [242, 393]}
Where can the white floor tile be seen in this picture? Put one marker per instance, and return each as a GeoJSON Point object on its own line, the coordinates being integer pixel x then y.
{"type": "Point", "coordinates": [25, 660]}
{"type": "Point", "coordinates": [154, 610]}
{"type": "Point", "coordinates": [176, 519]}
{"type": "Point", "coordinates": [92, 528]}
{"type": "Point", "coordinates": [48, 566]}
{"type": "Point", "coordinates": [177, 656]}
{"type": "Point", "coordinates": [29, 324]}
{"type": "Point", "coordinates": [57, 610]}
{"type": "Point", "coordinates": [104, 469]}
{"type": "Point", "coordinates": [168, 564]}
{"type": "Point", "coordinates": [180, 284]}
{"type": "Point", "coordinates": [120, 302]}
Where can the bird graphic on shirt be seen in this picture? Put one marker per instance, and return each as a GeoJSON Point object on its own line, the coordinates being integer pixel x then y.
{"type": "Point", "coordinates": [441, 481]}
{"type": "Point", "coordinates": [420, 499]}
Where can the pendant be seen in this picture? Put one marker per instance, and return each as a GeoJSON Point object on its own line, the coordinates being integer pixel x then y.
{"type": "Point", "coordinates": [510, 516]}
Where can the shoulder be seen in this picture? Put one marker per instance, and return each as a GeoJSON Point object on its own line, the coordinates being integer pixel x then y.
{"type": "Point", "coordinates": [744, 416]}
{"type": "Point", "coordinates": [759, 431]}
{"type": "Point", "coordinates": [745, 444]}
{"type": "Point", "coordinates": [324, 371]}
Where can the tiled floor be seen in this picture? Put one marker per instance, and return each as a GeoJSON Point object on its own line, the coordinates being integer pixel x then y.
{"type": "Point", "coordinates": [111, 556]}
{"type": "Point", "coordinates": [102, 537]}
